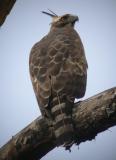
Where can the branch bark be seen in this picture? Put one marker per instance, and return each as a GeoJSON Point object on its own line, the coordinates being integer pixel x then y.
{"type": "Point", "coordinates": [5, 8]}
{"type": "Point", "coordinates": [90, 117]}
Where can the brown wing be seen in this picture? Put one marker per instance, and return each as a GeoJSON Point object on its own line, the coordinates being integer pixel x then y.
{"type": "Point", "coordinates": [57, 66]}
{"type": "Point", "coordinates": [38, 71]}
{"type": "Point", "coordinates": [68, 66]}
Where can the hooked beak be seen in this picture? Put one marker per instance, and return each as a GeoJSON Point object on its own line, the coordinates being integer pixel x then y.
{"type": "Point", "coordinates": [75, 18]}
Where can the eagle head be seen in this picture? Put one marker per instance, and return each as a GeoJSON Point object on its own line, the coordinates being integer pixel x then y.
{"type": "Point", "coordinates": [62, 21]}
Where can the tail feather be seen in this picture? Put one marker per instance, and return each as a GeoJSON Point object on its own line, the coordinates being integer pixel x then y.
{"type": "Point", "coordinates": [63, 126]}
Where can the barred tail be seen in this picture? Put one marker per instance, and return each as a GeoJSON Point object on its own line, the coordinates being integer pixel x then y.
{"type": "Point", "coordinates": [63, 126]}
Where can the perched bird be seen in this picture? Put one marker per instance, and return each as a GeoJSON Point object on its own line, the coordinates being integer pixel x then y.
{"type": "Point", "coordinates": [58, 70]}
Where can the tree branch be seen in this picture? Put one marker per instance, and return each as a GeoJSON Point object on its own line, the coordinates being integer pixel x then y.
{"type": "Point", "coordinates": [5, 8]}
{"type": "Point", "coordinates": [90, 117]}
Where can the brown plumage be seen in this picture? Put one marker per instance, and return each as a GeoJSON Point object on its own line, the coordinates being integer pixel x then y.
{"type": "Point", "coordinates": [58, 70]}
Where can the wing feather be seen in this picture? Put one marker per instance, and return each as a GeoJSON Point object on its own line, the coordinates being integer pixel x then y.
{"type": "Point", "coordinates": [57, 63]}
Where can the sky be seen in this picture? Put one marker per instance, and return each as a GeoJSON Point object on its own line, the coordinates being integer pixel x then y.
{"type": "Point", "coordinates": [22, 29]}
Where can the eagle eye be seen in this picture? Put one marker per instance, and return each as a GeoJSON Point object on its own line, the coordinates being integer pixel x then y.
{"type": "Point", "coordinates": [65, 17]}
